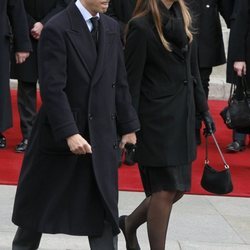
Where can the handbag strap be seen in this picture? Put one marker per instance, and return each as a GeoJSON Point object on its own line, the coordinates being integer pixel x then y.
{"type": "Point", "coordinates": [220, 152]}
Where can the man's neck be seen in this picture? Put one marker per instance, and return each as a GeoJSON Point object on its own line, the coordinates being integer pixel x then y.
{"type": "Point", "coordinates": [93, 13]}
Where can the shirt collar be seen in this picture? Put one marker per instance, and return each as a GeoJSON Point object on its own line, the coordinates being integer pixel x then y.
{"type": "Point", "coordinates": [85, 13]}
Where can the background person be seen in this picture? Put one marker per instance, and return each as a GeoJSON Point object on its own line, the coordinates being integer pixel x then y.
{"type": "Point", "coordinates": [69, 177]}
{"type": "Point", "coordinates": [208, 32]}
{"type": "Point", "coordinates": [38, 13]}
{"type": "Point", "coordinates": [12, 19]}
{"type": "Point", "coordinates": [122, 11]}
{"type": "Point", "coordinates": [166, 90]}
{"type": "Point", "coordinates": [239, 58]}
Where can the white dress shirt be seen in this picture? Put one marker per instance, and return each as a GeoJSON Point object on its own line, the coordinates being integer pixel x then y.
{"type": "Point", "coordinates": [86, 15]}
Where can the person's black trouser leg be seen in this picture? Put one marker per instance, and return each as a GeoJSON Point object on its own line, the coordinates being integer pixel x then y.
{"type": "Point", "coordinates": [26, 100]}
{"type": "Point", "coordinates": [104, 242]}
{"type": "Point", "coordinates": [205, 78]}
{"type": "Point", "coordinates": [26, 240]}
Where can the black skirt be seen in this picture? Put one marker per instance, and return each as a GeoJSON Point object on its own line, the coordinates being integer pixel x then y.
{"type": "Point", "coordinates": [167, 178]}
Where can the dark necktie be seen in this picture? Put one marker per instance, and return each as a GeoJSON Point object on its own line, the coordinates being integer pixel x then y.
{"type": "Point", "coordinates": [94, 31]}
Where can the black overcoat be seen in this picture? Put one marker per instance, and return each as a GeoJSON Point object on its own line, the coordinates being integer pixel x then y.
{"type": "Point", "coordinates": [11, 13]}
{"type": "Point", "coordinates": [85, 93]}
{"type": "Point", "coordinates": [207, 27]}
{"type": "Point", "coordinates": [122, 11]}
{"type": "Point", "coordinates": [36, 11]}
{"type": "Point", "coordinates": [165, 88]}
{"type": "Point", "coordinates": [239, 39]}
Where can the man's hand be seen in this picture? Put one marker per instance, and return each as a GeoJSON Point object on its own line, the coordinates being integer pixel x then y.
{"type": "Point", "coordinates": [21, 57]}
{"type": "Point", "coordinates": [36, 30]}
{"type": "Point", "coordinates": [78, 145]}
{"type": "Point", "coordinates": [240, 68]}
{"type": "Point", "coordinates": [128, 138]}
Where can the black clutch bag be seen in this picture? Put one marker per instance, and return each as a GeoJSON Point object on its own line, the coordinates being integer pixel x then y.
{"type": "Point", "coordinates": [129, 158]}
{"type": "Point", "coordinates": [214, 181]}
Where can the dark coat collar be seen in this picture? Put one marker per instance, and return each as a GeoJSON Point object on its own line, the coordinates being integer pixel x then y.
{"type": "Point", "coordinates": [81, 39]}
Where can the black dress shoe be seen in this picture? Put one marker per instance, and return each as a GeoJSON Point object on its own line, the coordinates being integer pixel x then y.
{"type": "Point", "coordinates": [2, 141]}
{"type": "Point", "coordinates": [236, 146]}
{"type": "Point", "coordinates": [22, 146]}
{"type": "Point", "coordinates": [122, 226]}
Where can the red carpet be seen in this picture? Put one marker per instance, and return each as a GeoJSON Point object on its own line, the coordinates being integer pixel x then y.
{"type": "Point", "coordinates": [10, 162]}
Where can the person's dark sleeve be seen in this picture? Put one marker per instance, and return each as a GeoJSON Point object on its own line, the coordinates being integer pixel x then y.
{"type": "Point", "coordinates": [199, 94]}
{"type": "Point", "coordinates": [52, 63]}
{"type": "Point", "coordinates": [239, 29]}
{"type": "Point", "coordinates": [127, 120]}
{"type": "Point", "coordinates": [113, 13]}
{"type": "Point", "coordinates": [225, 8]}
{"type": "Point", "coordinates": [19, 25]}
{"type": "Point", "coordinates": [135, 58]}
{"type": "Point", "coordinates": [60, 5]}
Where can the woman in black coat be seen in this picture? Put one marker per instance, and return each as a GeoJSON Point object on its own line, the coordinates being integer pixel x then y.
{"type": "Point", "coordinates": [166, 91]}
{"type": "Point", "coordinates": [12, 15]}
{"type": "Point", "coordinates": [239, 58]}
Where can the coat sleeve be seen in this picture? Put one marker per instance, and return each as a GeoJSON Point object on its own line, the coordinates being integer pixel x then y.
{"type": "Point", "coordinates": [239, 30]}
{"type": "Point", "coordinates": [19, 25]}
{"type": "Point", "coordinates": [52, 64]}
{"type": "Point", "coordinates": [199, 94]}
{"type": "Point", "coordinates": [112, 12]}
{"type": "Point", "coordinates": [60, 5]}
{"type": "Point", "coordinates": [135, 58]}
{"type": "Point", "coordinates": [127, 120]}
{"type": "Point", "coordinates": [226, 8]}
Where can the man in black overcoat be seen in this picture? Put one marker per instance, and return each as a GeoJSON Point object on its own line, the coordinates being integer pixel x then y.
{"type": "Point", "coordinates": [38, 13]}
{"type": "Point", "coordinates": [239, 61]}
{"type": "Point", "coordinates": [122, 11]}
{"type": "Point", "coordinates": [12, 16]}
{"type": "Point", "coordinates": [207, 27]}
{"type": "Point", "coordinates": [68, 182]}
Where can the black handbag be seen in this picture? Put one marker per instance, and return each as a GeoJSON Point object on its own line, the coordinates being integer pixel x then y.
{"type": "Point", "coordinates": [237, 114]}
{"type": "Point", "coordinates": [214, 181]}
{"type": "Point", "coordinates": [129, 158]}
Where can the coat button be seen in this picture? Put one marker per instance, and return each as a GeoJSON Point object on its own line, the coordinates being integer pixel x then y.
{"type": "Point", "coordinates": [115, 146]}
{"type": "Point", "coordinates": [185, 82]}
{"type": "Point", "coordinates": [113, 85]}
{"type": "Point", "coordinates": [207, 6]}
{"type": "Point", "coordinates": [113, 116]}
{"type": "Point", "coordinates": [90, 117]}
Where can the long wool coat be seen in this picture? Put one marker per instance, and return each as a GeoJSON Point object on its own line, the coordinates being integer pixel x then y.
{"type": "Point", "coordinates": [11, 12]}
{"type": "Point", "coordinates": [36, 11]}
{"type": "Point", "coordinates": [82, 92]}
{"type": "Point", "coordinates": [166, 92]}
{"type": "Point", "coordinates": [208, 31]}
{"type": "Point", "coordinates": [239, 40]}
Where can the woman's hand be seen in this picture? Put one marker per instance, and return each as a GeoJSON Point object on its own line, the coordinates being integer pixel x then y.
{"type": "Point", "coordinates": [240, 68]}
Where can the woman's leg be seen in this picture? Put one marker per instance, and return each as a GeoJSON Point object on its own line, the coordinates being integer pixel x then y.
{"type": "Point", "coordinates": [134, 220]}
{"type": "Point", "coordinates": [159, 211]}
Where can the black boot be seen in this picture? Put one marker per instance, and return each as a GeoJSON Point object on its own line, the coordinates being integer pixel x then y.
{"type": "Point", "coordinates": [26, 240]}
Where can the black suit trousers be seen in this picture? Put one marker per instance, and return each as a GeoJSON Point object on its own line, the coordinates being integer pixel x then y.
{"type": "Point", "coordinates": [30, 240]}
{"type": "Point", "coordinates": [26, 99]}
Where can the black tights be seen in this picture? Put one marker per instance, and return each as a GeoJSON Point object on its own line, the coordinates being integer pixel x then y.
{"type": "Point", "coordinates": [155, 210]}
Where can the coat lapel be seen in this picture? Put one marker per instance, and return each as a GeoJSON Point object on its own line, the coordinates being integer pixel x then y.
{"type": "Point", "coordinates": [81, 39]}
{"type": "Point", "coordinates": [103, 41]}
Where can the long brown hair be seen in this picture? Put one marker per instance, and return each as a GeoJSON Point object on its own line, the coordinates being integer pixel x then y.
{"type": "Point", "coordinates": [143, 7]}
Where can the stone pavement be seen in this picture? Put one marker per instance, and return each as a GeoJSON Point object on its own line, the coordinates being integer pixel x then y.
{"type": "Point", "coordinates": [197, 223]}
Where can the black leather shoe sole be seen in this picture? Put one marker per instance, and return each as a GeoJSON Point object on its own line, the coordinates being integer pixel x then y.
{"type": "Point", "coordinates": [3, 142]}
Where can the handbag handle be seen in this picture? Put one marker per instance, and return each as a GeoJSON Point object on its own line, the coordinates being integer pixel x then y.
{"type": "Point", "coordinates": [220, 152]}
